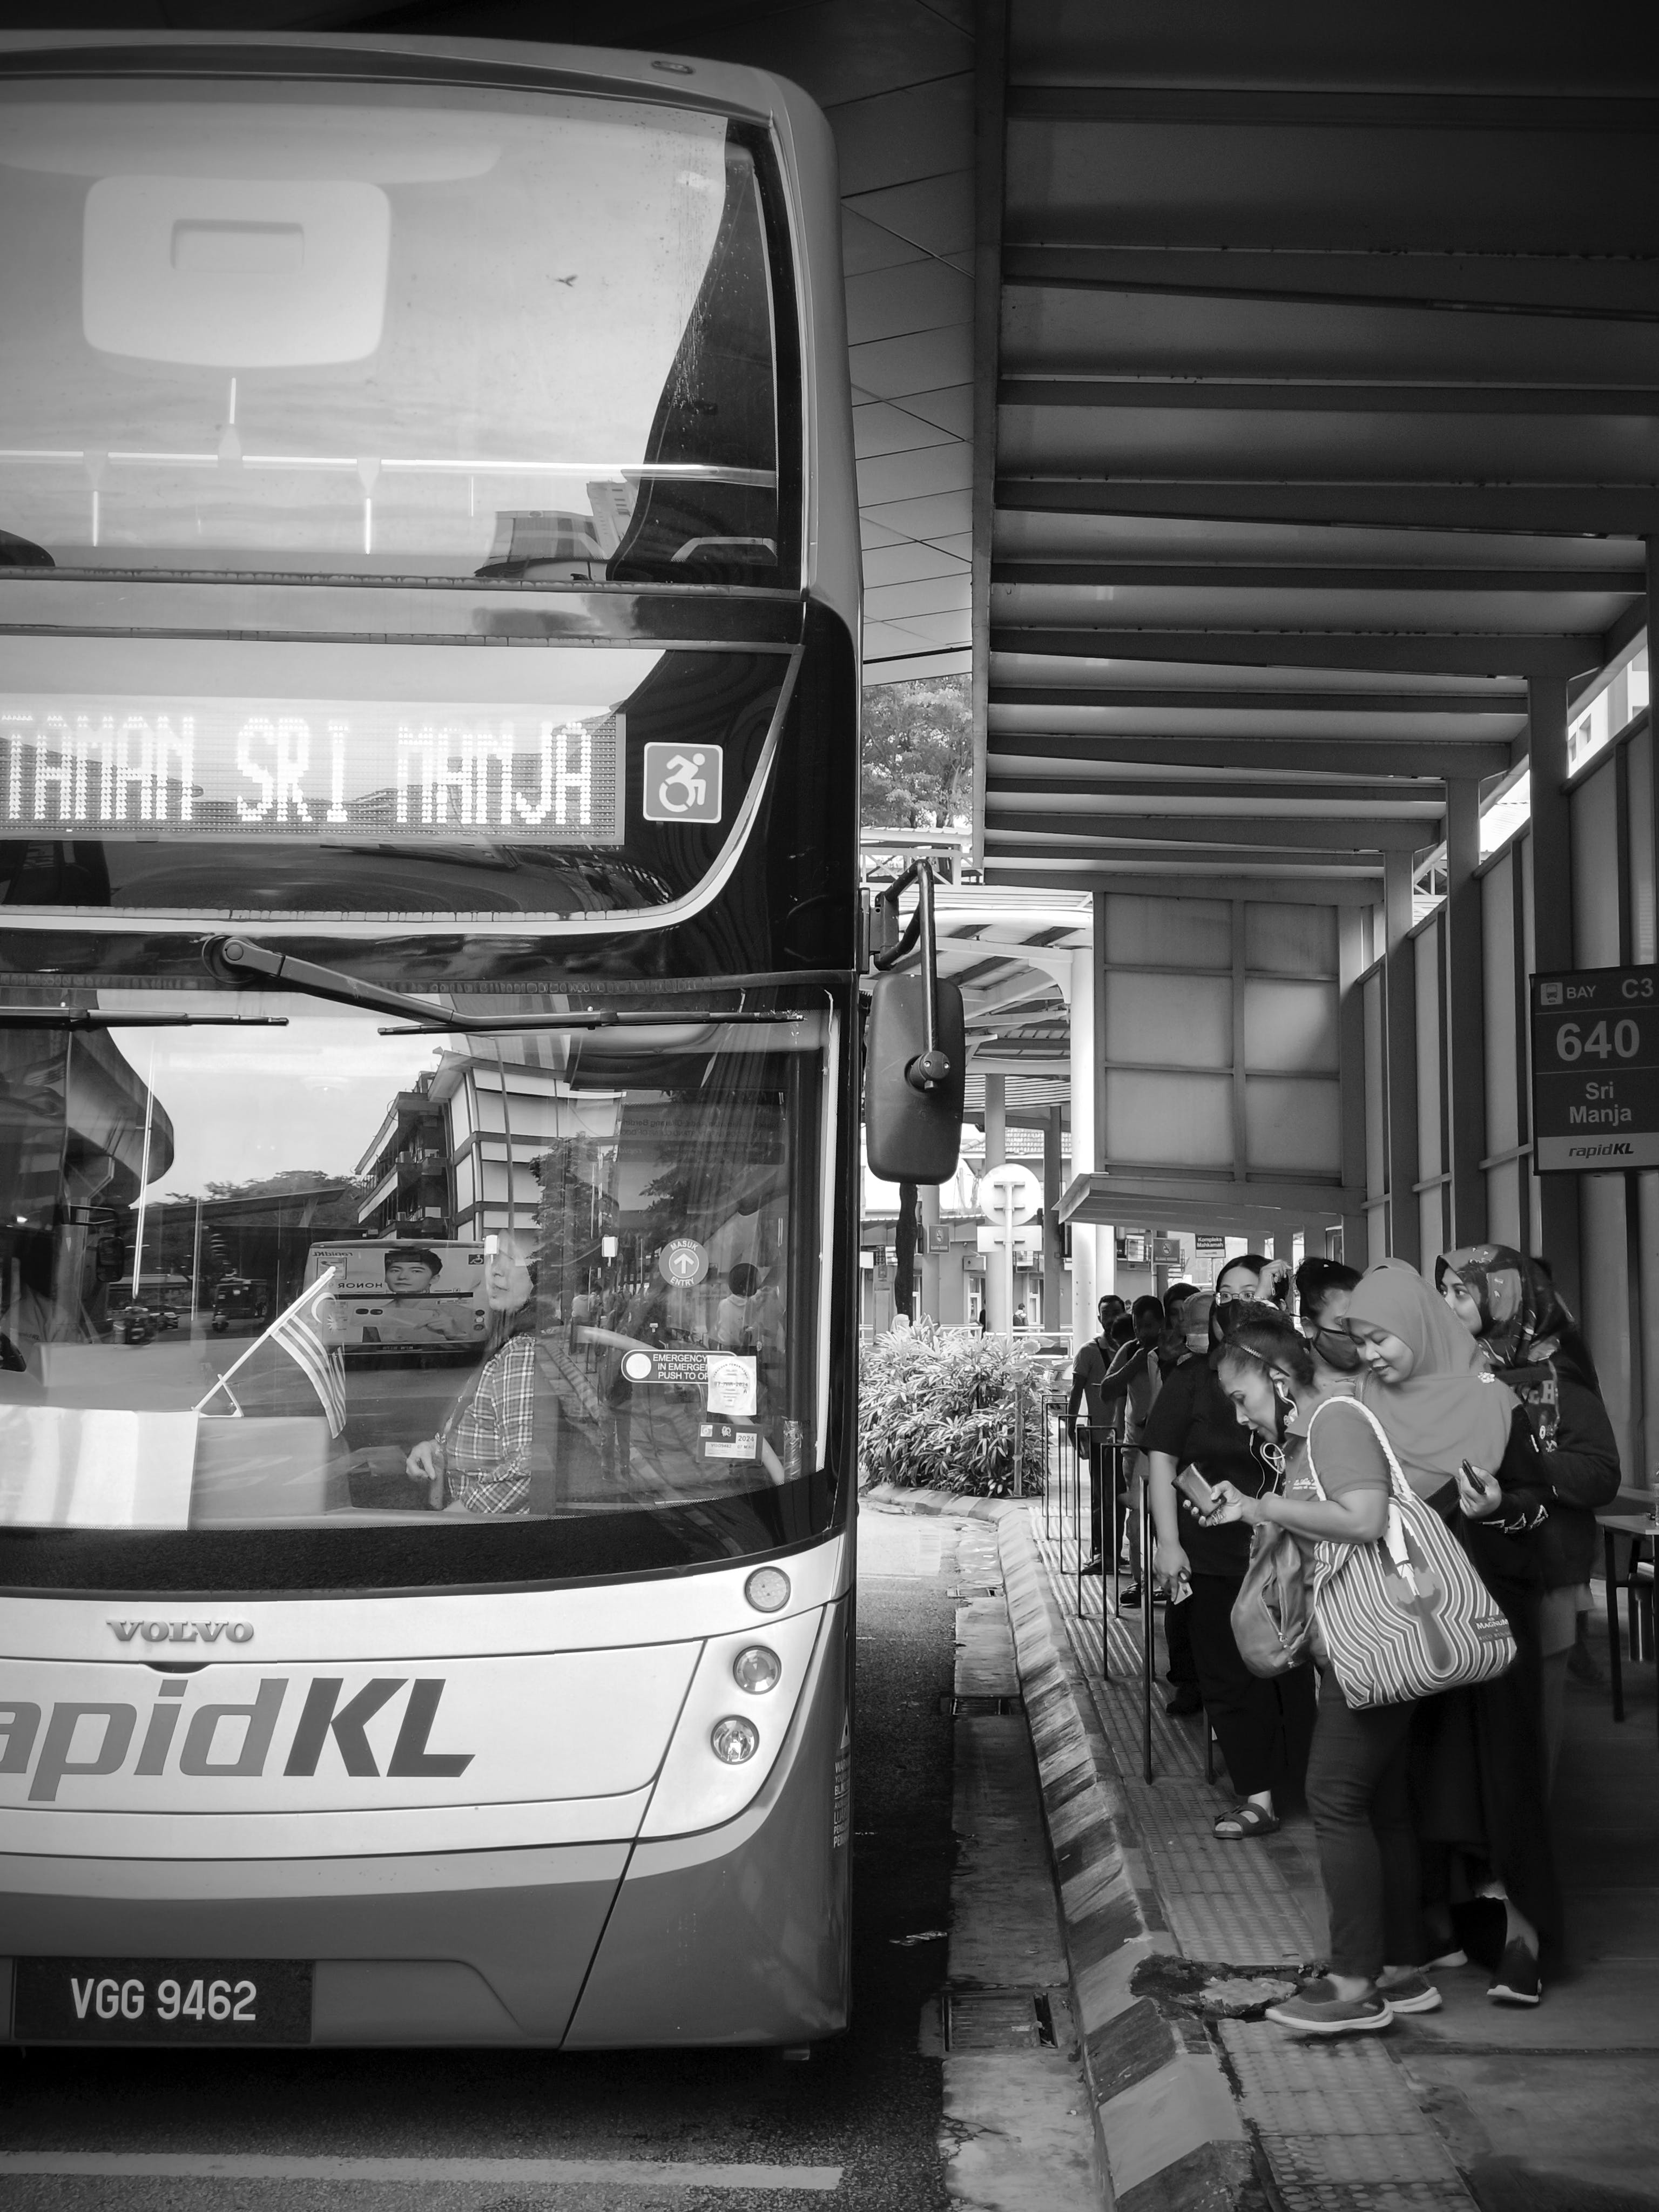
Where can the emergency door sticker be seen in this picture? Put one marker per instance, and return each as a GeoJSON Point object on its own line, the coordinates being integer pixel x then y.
{"type": "Point", "coordinates": [309, 1737]}
{"type": "Point", "coordinates": [681, 783]}
{"type": "Point", "coordinates": [728, 1377]}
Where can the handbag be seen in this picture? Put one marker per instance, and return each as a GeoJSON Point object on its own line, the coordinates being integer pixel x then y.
{"type": "Point", "coordinates": [1408, 1616]}
{"type": "Point", "coordinates": [1272, 1615]}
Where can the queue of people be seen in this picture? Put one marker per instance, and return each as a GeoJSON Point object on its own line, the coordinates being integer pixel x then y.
{"type": "Point", "coordinates": [1392, 1417]}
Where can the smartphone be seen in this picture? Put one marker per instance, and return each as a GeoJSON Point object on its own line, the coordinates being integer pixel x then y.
{"type": "Point", "coordinates": [1193, 1486]}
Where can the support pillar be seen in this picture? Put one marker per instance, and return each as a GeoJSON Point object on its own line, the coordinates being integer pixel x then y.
{"type": "Point", "coordinates": [1088, 1240]}
{"type": "Point", "coordinates": [1557, 1234]}
{"type": "Point", "coordinates": [931, 1261]}
{"type": "Point", "coordinates": [996, 1152]}
{"type": "Point", "coordinates": [1054, 1270]}
{"type": "Point", "coordinates": [1466, 1048]}
{"type": "Point", "coordinates": [1405, 1237]}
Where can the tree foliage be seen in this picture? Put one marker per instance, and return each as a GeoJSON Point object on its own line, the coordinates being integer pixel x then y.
{"type": "Point", "coordinates": [918, 755]}
{"type": "Point", "coordinates": [937, 1408]}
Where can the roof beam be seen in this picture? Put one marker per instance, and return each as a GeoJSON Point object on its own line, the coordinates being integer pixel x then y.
{"type": "Point", "coordinates": [1005, 780]}
{"type": "Point", "coordinates": [1545, 115]}
{"type": "Point", "coordinates": [1287, 395]}
{"type": "Point", "coordinates": [1418, 653]}
{"type": "Point", "coordinates": [1508, 701]}
{"type": "Point", "coordinates": [1530, 509]}
{"type": "Point", "coordinates": [1576, 287]}
{"type": "Point", "coordinates": [1327, 833]}
{"type": "Point", "coordinates": [1282, 576]}
{"type": "Point", "coordinates": [1325, 755]}
{"type": "Point", "coordinates": [1355, 886]}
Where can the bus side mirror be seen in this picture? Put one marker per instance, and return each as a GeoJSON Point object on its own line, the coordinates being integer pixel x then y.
{"type": "Point", "coordinates": [915, 1050]}
{"type": "Point", "coordinates": [913, 1128]}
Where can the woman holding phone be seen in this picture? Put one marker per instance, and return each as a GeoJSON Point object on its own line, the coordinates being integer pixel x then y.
{"type": "Point", "coordinates": [1479, 1763]}
{"type": "Point", "coordinates": [1263, 1727]}
{"type": "Point", "coordinates": [1358, 1768]}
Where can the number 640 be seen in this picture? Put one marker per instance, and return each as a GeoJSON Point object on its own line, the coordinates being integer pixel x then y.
{"type": "Point", "coordinates": [1626, 1041]}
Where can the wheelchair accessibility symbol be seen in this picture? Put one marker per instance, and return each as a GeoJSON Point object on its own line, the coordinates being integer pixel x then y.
{"type": "Point", "coordinates": [682, 783]}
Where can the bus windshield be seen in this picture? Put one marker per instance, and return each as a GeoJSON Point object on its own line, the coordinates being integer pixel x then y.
{"type": "Point", "coordinates": [369, 330]}
{"type": "Point", "coordinates": [384, 1286]}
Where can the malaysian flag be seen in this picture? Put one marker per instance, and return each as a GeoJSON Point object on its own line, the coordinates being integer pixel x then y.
{"type": "Point", "coordinates": [309, 1332]}
{"type": "Point", "coordinates": [304, 1332]}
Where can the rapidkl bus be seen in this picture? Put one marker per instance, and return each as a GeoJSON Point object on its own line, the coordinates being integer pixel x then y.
{"type": "Point", "coordinates": [430, 934]}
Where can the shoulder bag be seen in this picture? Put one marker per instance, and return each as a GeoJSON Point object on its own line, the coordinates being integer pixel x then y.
{"type": "Point", "coordinates": [1272, 1618]}
{"type": "Point", "coordinates": [1407, 1616]}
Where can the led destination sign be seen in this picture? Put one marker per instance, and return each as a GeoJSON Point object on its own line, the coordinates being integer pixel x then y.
{"type": "Point", "coordinates": [93, 766]}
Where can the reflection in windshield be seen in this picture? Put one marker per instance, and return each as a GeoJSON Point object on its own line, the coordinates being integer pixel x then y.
{"type": "Point", "coordinates": [402, 332]}
{"type": "Point", "coordinates": [327, 1276]}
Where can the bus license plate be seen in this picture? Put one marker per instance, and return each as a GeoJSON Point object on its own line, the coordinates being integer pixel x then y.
{"type": "Point", "coordinates": [162, 2001]}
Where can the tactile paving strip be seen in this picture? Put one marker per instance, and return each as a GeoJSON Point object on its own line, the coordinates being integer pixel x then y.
{"type": "Point", "coordinates": [1221, 1901]}
{"type": "Point", "coordinates": [1338, 2123]}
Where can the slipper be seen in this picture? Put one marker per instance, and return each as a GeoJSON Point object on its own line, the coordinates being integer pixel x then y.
{"type": "Point", "coordinates": [1245, 1820]}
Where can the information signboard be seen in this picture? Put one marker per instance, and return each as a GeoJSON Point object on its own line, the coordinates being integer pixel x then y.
{"type": "Point", "coordinates": [1596, 1070]}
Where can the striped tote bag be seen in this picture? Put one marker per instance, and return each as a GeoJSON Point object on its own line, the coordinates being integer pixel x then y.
{"type": "Point", "coordinates": [1407, 1616]}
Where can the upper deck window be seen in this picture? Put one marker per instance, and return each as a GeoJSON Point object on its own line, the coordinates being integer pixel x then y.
{"type": "Point", "coordinates": [362, 331]}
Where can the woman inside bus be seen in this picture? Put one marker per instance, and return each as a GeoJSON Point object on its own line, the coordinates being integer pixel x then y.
{"type": "Point", "coordinates": [1358, 1768]}
{"type": "Point", "coordinates": [1478, 1766]}
{"type": "Point", "coordinates": [479, 1462]}
{"type": "Point", "coordinates": [1529, 1341]}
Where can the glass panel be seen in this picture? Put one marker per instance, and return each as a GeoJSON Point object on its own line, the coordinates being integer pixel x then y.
{"type": "Point", "coordinates": [333, 1276]}
{"type": "Point", "coordinates": [383, 331]}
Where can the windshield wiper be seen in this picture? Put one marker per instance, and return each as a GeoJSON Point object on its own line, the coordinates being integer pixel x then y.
{"type": "Point", "coordinates": [89, 1018]}
{"type": "Point", "coordinates": [605, 1018]}
{"type": "Point", "coordinates": [235, 960]}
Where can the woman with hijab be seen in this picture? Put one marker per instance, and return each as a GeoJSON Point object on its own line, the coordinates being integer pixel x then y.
{"type": "Point", "coordinates": [1525, 1334]}
{"type": "Point", "coordinates": [1480, 1771]}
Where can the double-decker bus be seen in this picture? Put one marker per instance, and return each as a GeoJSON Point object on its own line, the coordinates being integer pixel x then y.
{"type": "Point", "coordinates": [429, 917]}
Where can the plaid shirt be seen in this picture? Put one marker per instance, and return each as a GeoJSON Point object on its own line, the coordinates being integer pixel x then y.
{"type": "Point", "coordinates": [488, 1455]}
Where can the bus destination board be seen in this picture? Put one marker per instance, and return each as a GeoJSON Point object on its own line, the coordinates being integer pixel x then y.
{"type": "Point", "coordinates": [309, 769]}
{"type": "Point", "coordinates": [1596, 1070]}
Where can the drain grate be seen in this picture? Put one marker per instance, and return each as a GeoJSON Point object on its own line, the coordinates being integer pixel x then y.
{"type": "Point", "coordinates": [978, 1590]}
{"type": "Point", "coordinates": [976, 1708]}
{"type": "Point", "coordinates": [999, 2020]}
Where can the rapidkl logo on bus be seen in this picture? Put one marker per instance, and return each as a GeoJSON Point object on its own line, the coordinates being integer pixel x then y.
{"type": "Point", "coordinates": [232, 1737]}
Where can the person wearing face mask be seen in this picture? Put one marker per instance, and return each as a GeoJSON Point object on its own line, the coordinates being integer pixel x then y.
{"type": "Point", "coordinates": [1359, 1767]}
{"type": "Point", "coordinates": [1323, 1288]}
{"type": "Point", "coordinates": [1480, 1779]}
{"type": "Point", "coordinates": [479, 1462]}
{"type": "Point", "coordinates": [1527, 1337]}
{"type": "Point", "coordinates": [1263, 1727]}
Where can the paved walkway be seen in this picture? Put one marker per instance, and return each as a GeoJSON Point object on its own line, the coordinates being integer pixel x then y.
{"type": "Point", "coordinates": [1550, 2111]}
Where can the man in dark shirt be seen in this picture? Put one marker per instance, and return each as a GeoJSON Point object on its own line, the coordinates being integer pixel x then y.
{"type": "Point", "coordinates": [1264, 1727]}
{"type": "Point", "coordinates": [1103, 1374]}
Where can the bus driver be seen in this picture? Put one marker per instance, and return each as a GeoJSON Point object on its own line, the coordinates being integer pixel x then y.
{"type": "Point", "coordinates": [479, 1460]}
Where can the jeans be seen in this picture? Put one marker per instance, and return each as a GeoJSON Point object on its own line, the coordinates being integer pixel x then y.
{"type": "Point", "coordinates": [1357, 1793]}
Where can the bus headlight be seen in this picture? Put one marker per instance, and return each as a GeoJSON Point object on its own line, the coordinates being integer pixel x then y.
{"type": "Point", "coordinates": [734, 1739]}
{"type": "Point", "coordinates": [756, 1668]}
{"type": "Point", "coordinates": [768, 1589]}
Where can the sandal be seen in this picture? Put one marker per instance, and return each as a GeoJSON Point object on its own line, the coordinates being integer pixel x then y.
{"type": "Point", "coordinates": [1245, 1820]}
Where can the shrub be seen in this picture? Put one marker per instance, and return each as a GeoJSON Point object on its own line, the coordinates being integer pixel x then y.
{"type": "Point", "coordinates": [937, 1408]}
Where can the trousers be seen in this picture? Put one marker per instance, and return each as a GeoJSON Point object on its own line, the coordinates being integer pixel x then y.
{"type": "Point", "coordinates": [1264, 1727]}
{"type": "Point", "coordinates": [1359, 1794]}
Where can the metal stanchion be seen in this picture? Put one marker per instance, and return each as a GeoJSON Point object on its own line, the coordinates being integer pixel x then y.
{"type": "Point", "coordinates": [1147, 1610]}
{"type": "Point", "coordinates": [1077, 1527]}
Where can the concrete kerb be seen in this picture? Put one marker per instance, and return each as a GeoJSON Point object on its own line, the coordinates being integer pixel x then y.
{"type": "Point", "coordinates": [1169, 2131]}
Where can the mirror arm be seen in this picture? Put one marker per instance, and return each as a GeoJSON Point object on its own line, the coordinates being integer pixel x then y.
{"type": "Point", "coordinates": [931, 1067]}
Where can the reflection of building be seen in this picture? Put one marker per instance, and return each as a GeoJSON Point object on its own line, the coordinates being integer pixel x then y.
{"type": "Point", "coordinates": [78, 1129]}
{"type": "Point", "coordinates": [457, 1155]}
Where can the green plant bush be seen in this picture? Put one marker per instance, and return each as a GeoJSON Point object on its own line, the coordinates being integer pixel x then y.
{"type": "Point", "coordinates": [937, 1410]}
